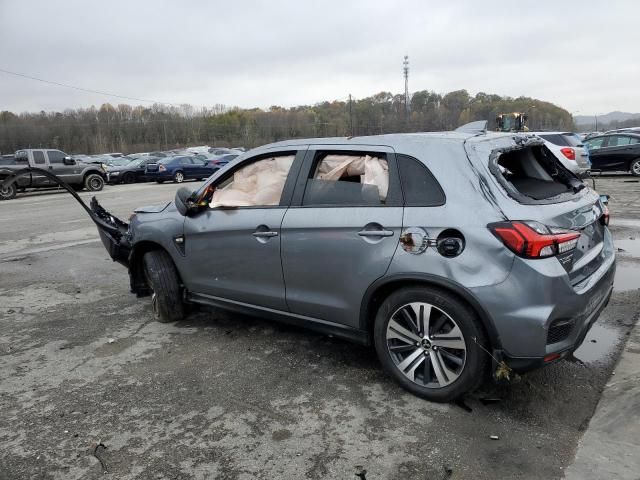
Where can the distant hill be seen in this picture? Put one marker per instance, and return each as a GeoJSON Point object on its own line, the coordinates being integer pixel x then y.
{"type": "Point", "coordinates": [606, 118]}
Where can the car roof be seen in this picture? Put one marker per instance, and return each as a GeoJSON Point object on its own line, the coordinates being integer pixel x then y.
{"type": "Point", "coordinates": [616, 134]}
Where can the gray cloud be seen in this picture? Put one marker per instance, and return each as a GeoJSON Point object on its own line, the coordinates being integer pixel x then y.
{"type": "Point", "coordinates": [262, 53]}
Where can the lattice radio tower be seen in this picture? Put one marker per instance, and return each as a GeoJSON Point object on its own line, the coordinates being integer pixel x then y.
{"type": "Point", "coordinates": [405, 69]}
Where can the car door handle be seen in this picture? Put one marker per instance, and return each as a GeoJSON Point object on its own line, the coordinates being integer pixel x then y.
{"type": "Point", "coordinates": [375, 233]}
{"type": "Point", "coordinates": [265, 234]}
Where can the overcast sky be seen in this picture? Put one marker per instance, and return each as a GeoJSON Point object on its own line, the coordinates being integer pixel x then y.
{"type": "Point", "coordinates": [261, 53]}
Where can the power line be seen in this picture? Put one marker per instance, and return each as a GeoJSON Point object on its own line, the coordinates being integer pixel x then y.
{"type": "Point", "coordinates": [85, 89]}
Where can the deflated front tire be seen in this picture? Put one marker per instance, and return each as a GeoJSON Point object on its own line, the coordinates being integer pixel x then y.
{"type": "Point", "coordinates": [163, 279]}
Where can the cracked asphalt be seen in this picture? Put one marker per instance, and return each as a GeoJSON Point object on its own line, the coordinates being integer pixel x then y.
{"type": "Point", "coordinates": [90, 383]}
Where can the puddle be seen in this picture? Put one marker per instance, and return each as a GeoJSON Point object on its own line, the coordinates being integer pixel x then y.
{"type": "Point", "coordinates": [627, 278]}
{"type": "Point", "coordinates": [630, 247]}
{"type": "Point", "coordinates": [605, 339]}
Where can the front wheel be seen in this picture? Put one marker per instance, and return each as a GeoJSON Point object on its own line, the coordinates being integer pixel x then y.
{"type": "Point", "coordinates": [178, 177]}
{"type": "Point", "coordinates": [7, 193]}
{"type": "Point", "coordinates": [634, 168]}
{"type": "Point", "coordinates": [94, 182]}
{"type": "Point", "coordinates": [430, 342]}
{"type": "Point", "coordinates": [163, 279]}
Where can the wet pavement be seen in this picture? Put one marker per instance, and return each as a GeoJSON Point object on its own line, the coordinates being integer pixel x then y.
{"type": "Point", "coordinates": [89, 382]}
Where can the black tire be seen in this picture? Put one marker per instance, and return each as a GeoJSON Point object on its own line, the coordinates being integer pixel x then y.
{"type": "Point", "coordinates": [178, 177]}
{"type": "Point", "coordinates": [634, 167]}
{"type": "Point", "coordinates": [475, 367]}
{"type": "Point", "coordinates": [9, 192]}
{"type": "Point", "coordinates": [94, 182]}
{"type": "Point", "coordinates": [129, 177]}
{"type": "Point", "coordinates": [163, 279]}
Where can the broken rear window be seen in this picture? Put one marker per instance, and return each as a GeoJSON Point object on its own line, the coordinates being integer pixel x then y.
{"type": "Point", "coordinates": [533, 174]}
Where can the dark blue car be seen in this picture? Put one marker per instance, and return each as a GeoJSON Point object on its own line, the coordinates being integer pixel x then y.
{"type": "Point", "coordinates": [178, 169]}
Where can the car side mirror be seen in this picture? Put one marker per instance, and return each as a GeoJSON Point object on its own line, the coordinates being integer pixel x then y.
{"type": "Point", "coordinates": [68, 161]}
{"type": "Point", "coordinates": [184, 201]}
{"type": "Point", "coordinates": [605, 199]}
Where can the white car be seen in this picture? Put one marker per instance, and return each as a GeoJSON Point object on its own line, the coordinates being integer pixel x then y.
{"type": "Point", "coordinates": [568, 148]}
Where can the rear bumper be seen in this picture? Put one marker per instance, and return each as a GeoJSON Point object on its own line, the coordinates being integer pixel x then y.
{"type": "Point", "coordinates": [537, 298]}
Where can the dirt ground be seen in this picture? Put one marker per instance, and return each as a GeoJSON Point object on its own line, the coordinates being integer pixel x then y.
{"type": "Point", "coordinates": [89, 383]}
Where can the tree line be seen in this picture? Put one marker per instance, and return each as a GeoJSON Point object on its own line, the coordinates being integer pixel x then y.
{"type": "Point", "coordinates": [126, 128]}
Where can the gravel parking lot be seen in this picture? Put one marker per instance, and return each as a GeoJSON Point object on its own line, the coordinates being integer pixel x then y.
{"type": "Point", "coordinates": [89, 383]}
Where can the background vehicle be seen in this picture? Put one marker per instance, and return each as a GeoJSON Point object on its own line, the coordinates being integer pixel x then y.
{"type": "Point", "coordinates": [131, 172]}
{"type": "Point", "coordinates": [376, 242]}
{"type": "Point", "coordinates": [616, 152]}
{"type": "Point", "coordinates": [76, 174]}
{"type": "Point", "coordinates": [219, 162]}
{"type": "Point", "coordinates": [511, 122]}
{"type": "Point", "coordinates": [569, 149]}
{"type": "Point", "coordinates": [220, 151]}
{"type": "Point", "coordinates": [178, 169]}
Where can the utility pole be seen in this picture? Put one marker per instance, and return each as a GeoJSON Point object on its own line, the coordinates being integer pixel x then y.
{"type": "Point", "coordinates": [350, 118]}
{"type": "Point", "coordinates": [405, 69]}
{"type": "Point", "coordinates": [164, 126]}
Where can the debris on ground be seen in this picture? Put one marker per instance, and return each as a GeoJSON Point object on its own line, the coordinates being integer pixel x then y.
{"type": "Point", "coordinates": [494, 437]}
{"type": "Point", "coordinates": [489, 400]}
{"type": "Point", "coordinates": [361, 472]}
{"type": "Point", "coordinates": [111, 340]}
{"type": "Point", "coordinates": [97, 452]}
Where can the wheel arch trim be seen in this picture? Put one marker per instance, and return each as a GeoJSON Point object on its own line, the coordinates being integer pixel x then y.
{"type": "Point", "coordinates": [390, 283]}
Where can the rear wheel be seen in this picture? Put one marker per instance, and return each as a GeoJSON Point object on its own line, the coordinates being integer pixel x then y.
{"type": "Point", "coordinates": [163, 279]}
{"type": "Point", "coordinates": [94, 182]}
{"type": "Point", "coordinates": [634, 168]}
{"type": "Point", "coordinates": [430, 342]}
{"type": "Point", "coordinates": [178, 177]}
{"type": "Point", "coordinates": [7, 193]}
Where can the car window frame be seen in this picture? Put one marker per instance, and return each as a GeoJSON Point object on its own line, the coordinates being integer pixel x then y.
{"type": "Point", "coordinates": [298, 153]}
{"type": "Point", "coordinates": [394, 192]}
{"type": "Point", "coordinates": [44, 157]}
{"type": "Point", "coordinates": [429, 173]}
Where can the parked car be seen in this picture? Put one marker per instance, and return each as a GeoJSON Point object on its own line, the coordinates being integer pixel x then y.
{"type": "Point", "coordinates": [131, 172]}
{"type": "Point", "coordinates": [220, 151]}
{"type": "Point", "coordinates": [444, 251]}
{"type": "Point", "coordinates": [568, 148]}
{"type": "Point", "coordinates": [178, 169]}
{"type": "Point", "coordinates": [76, 174]}
{"type": "Point", "coordinates": [221, 161]}
{"type": "Point", "coordinates": [635, 130]}
{"type": "Point", "coordinates": [617, 152]}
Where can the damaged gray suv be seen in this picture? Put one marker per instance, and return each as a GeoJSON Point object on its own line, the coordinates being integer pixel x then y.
{"type": "Point", "coordinates": [452, 253]}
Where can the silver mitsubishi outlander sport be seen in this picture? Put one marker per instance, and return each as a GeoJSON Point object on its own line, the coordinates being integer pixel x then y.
{"type": "Point", "coordinates": [452, 253]}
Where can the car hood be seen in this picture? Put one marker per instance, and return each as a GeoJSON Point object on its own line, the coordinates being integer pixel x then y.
{"type": "Point", "coordinates": [152, 208]}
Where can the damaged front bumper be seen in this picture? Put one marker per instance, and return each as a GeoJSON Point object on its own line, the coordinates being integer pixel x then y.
{"type": "Point", "coordinates": [114, 234]}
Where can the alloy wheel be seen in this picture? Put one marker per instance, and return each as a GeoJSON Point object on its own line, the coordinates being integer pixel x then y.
{"type": "Point", "coordinates": [179, 177]}
{"type": "Point", "coordinates": [426, 345]}
{"type": "Point", "coordinates": [635, 168]}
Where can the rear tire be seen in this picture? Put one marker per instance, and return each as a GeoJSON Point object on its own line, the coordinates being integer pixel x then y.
{"type": "Point", "coordinates": [163, 279]}
{"type": "Point", "coordinates": [445, 362]}
{"type": "Point", "coordinates": [178, 177]}
{"type": "Point", "coordinates": [94, 182]}
{"type": "Point", "coordinates": [634, 168]}
{"type": "Point", "coordinates": [8, 193]}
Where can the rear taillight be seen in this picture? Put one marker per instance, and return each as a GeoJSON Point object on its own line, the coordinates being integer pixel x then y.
{"type": "Point", "coordinates": [605, 215]}
{"type": "Point", "coordinates": [570, 153]}
{"type": "Point", "coordinates": [162, 168]}
{"type": "Point", "coordinates": [530, 239]}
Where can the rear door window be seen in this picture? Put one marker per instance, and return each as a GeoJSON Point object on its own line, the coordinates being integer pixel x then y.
{"type": "Point", "coordinates": [38, 158]}
{"type": "Point", "coordinates": [595, 143]}
{"type": "Point", "coordinates": [348, 179]}
{"type": "Point", "coordinates": [419, 186]}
